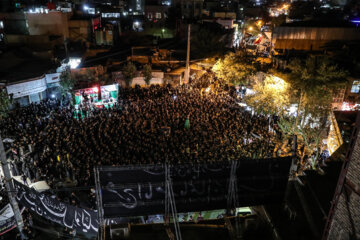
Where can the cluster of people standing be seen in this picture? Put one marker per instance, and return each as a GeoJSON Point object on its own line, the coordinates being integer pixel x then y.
{"type": "Point", "coordinates": [146, 126]}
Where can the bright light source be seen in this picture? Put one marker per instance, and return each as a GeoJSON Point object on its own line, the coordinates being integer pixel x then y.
{"type": "Point", "coordinates": [249, 92]}
{"type": "Point", "coordinates": [163, 30]}
{"type": "Point", "coordinates": [346, 106]}
{"type": "Point", "coordinates": [136, 24]}
{"type": "Point", "coordinates": [86, 7]}
{"type": "Point", "coordinates": [174, 97]}
{"type": "Point", "coordinates": [52, 96]}
{"type": "Point", "coordinates": [250, 28]}
{"type": "Point", "coordinates": [207, 89]}
{"type": "Point", "coordinates": [95, 89]}
{"type": "Point", "coordinates": [130, 9]}
{"type": "Point", "coordinates": [293, 110]}
{"type": "Point", "coordinates": [277, 83]}
{"type": "Point", "coordinates": [74, 62]}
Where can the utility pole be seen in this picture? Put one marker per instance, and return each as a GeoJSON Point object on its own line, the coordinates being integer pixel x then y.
{"type": "Point", "coordinates": [187, 69]}
{"type": "Point", "coordinates": [66, 47]}
{"type": "Point", "coordinates": [10, 189]}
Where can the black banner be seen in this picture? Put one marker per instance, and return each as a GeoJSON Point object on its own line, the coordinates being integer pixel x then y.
{"type": "Point", "coordinates": [7, 219]}
{"type": "Point", "coordinates": [69, 216]}
{"type": "Point", "coordinates": [140, 190]}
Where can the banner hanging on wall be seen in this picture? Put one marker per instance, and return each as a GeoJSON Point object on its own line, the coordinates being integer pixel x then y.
{"type": "Point", "coordinates": [7, 219]}
{"type": "Point", "coordinates": [82, 220]}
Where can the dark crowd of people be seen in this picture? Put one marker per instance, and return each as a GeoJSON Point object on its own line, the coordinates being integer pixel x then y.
{"type": "Point", "coordinates": [147, 126]}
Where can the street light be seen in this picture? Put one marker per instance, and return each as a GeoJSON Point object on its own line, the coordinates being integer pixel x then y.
{"type": "Point", "coordinates": [250, 28]}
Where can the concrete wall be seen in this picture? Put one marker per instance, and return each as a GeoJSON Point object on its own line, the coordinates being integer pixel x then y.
{"type": "Point", "coordinates": [52, 23]}
{"type": "Point", "coordinates": [52, 78]}
{"type": "Point", "coordinates": [157, 78]}
{"type": "Point", "coordinates": [34, 90]}
{"type": "Point", "coordinates": [28, 87]}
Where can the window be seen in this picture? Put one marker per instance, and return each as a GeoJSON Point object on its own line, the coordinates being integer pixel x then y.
{"type": "Point", "coordinates": [158, 15]}
{"type": "Point", "coordinates": [356, 86]}
{"type": "Point", "coordinates": [91, 10]}
{"type": "Point", "coordinates": [1, 24]}
{"type": "Point", "coordinates": [110, 15]}
{"type": "Point", "coordinates": [150, 16]}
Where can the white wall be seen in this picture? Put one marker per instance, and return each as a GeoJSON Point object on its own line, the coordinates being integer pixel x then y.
{"type": "Point", "coordinates": [27, 88]}
{"type": "Point", "coordinates": [52, 77]}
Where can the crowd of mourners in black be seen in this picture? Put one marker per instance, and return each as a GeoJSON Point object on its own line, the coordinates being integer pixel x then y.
{"type": "Point", "coordinates": [147, 126]}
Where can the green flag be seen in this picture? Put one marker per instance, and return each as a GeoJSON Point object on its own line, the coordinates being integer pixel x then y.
{"type": "Point", "coordinates": [187, 123]}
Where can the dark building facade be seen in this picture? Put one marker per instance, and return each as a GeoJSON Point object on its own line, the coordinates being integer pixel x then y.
{"type": "Point", "coordinates": [344, 216]}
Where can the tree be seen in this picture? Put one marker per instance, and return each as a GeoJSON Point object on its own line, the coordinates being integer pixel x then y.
{"type": "Point", "coordinates": [315, 80]}
{"type": "Point", "coordinates": [4, 104]}
{"type": "Point", "coordinates": [99, 75]}
{"type": "Point", "coordinates": [235, 68]}
{"type": "Point", "coordinates": [271, 96]}
{"type": "Point", "coordinates": [129, 72]}
{"type": "Point", "coordinates": [67, 82]}
{"type": "Point", "coordinates": [309, 134]}
{"type": "Point", "coordinates": [147, 73]}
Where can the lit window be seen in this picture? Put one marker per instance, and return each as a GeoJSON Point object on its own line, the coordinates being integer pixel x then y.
{"type": "Point", "coordinates": [158, 15]}
{"type": "Point", "coordinates": [1, 24]}
{"type": "Point", "coordinates": [355, 87]}
{"type": "Point", "coordinates": [110, 15]}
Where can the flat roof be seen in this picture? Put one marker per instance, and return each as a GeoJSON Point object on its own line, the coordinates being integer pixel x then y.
{"type": "Point", "coordinates": [320, 23]}
{"type": "Point", "coordinates": [15, 68]}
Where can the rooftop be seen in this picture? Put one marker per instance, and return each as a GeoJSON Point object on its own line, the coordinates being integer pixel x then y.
{"type": "Point", "coordinates": [15, 66]}
{"type": "Point", "coordinates": [320, 23]}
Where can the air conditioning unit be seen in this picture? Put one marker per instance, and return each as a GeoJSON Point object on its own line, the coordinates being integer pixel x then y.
{"type": "Point", "coordinates": [120, 232]}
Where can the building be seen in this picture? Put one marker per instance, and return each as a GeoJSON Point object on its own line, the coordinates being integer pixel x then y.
{"type": "Point", "coordinates": [190, 9]}
{"type": "Point", "coordinates": [81, 28]}
{"type": "Point", "coordinates": [28, 79]}
{"type": "Point", "coordinates": [343, 220]}
{"type": "Point", "coordinates": [52, 23]}
{"type": "Point", "coordinates": [156, 13]}
{"type": "Point", "coordinates": [312, 35]}
{"type": "Point", "coordinates": [136, 7]}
